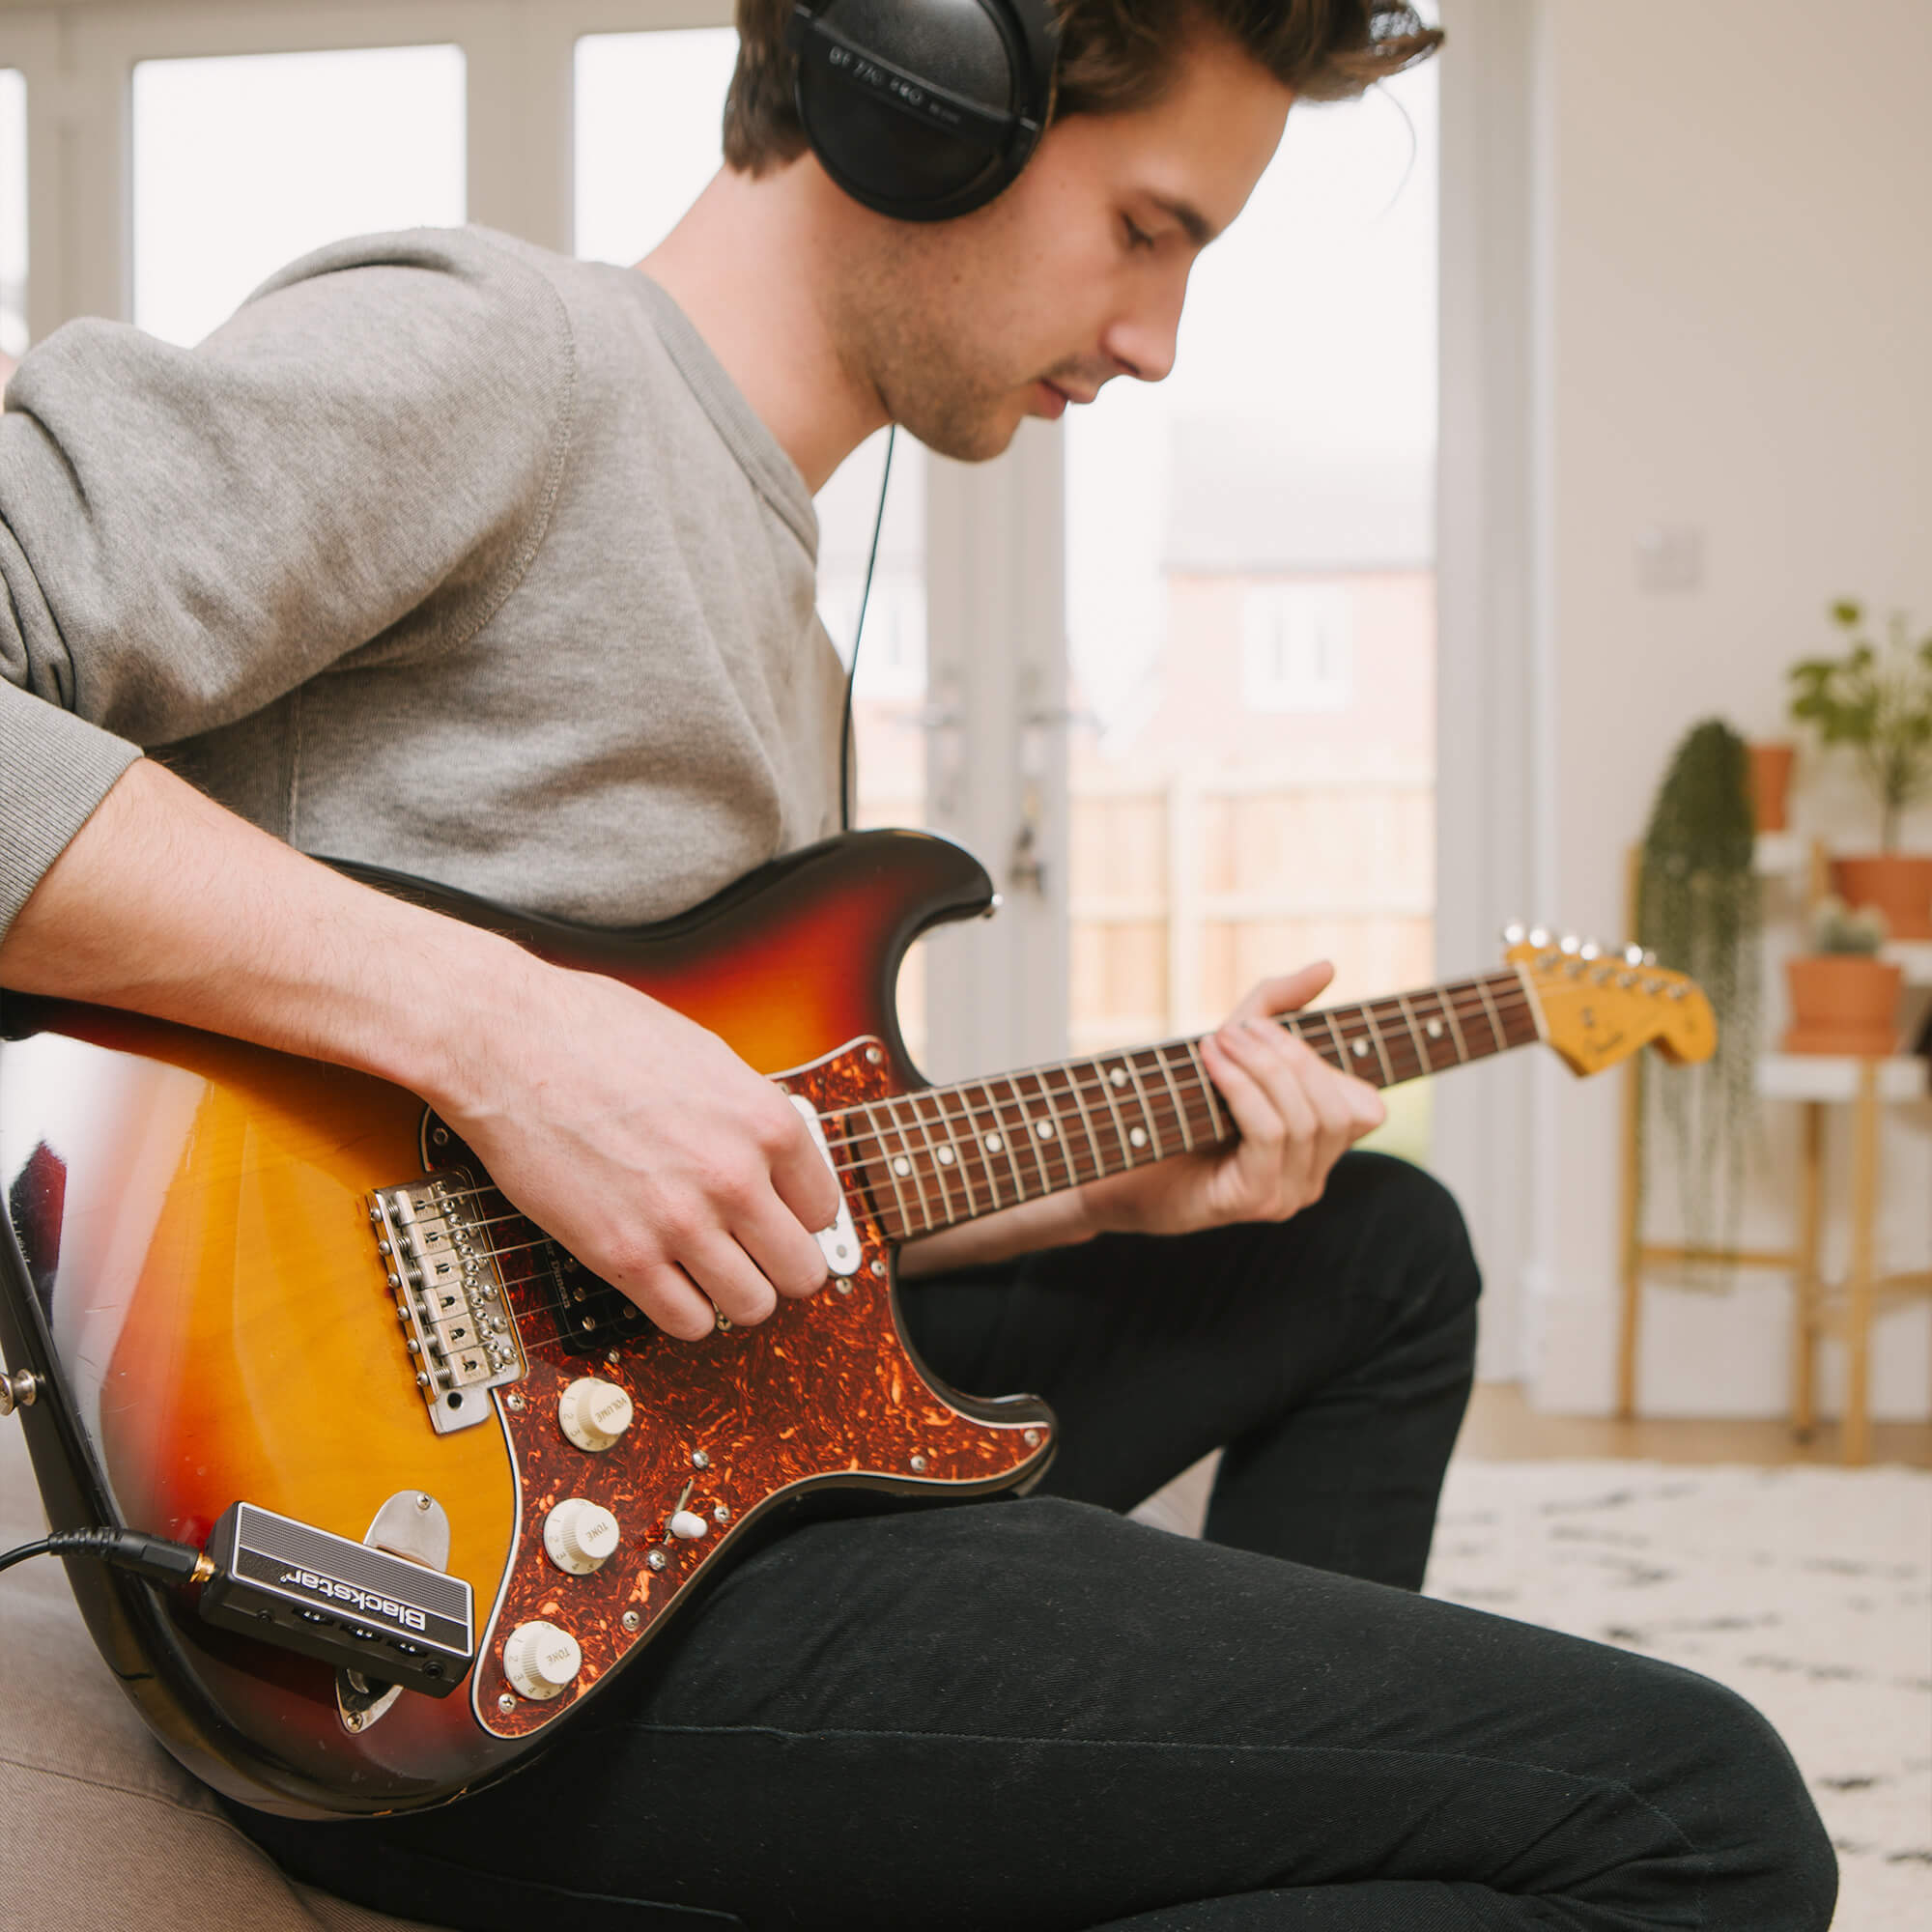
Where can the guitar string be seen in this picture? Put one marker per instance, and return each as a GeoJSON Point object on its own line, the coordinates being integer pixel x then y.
{"type": "Point", "coordinates": [1084, 1084]}
{"type": "Point", "coordinates": [1068, 1168]}
{"type": "Point", "coordinates": [1086, 1078]}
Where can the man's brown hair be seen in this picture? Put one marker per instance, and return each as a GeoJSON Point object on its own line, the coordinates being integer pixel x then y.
{"type": "Point", "coordinates": [1114, 55]}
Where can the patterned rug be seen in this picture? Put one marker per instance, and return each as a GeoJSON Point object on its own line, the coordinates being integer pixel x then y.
{"type": "Point", "coordinates": [1808, 1590]}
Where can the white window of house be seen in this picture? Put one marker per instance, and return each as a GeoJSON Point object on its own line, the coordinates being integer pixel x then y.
{"type": "Point", "coordinates": [1298, 648]}
{"type": "Point", "coordinates": [243, 162]}
{"type": "Point", "coordinates": [13, 212]}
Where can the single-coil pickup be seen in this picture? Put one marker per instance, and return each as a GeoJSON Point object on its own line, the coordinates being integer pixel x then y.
{"type": "Point", "coordinates": [458, 1330]}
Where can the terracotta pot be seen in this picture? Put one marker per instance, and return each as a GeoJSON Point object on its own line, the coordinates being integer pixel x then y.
{"type": "Point", "coordinates": [1770, 782]}
{"type": "Point", "coordinates": [1898, 882]}
{"type": "Point", "coordinates": [1843, 1002]}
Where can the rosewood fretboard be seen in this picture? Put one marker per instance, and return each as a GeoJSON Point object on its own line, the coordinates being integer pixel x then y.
{"type": "Point", "coordinates": [945, 1154]}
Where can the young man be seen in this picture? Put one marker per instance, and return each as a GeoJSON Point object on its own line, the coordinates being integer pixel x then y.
{"type": "Point", "coordinates": [489, 566]}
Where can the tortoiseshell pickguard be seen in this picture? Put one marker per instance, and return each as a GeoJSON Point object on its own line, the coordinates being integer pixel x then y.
{"type": "Point", "coordinates": [823, 1393]}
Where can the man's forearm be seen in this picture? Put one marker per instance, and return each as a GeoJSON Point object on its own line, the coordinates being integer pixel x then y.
{"type": "Point", "coordinates": [167, 904]}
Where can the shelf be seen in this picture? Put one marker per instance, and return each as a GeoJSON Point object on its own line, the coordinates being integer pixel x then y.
{"type": "Point", "coordinates": [1915, 955]}
{"type": "Point", "coordinates": [1835, 1076]}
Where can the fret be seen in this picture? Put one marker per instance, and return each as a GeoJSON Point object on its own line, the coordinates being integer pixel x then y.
{"type": "Point", "coordinates": [959, 1155]}
{"type": "Point", "coordinates": [1222, 1132]}
{"type": "Point", "coordinates": [905, 1164]}
{"type": "Point", "coordinates": [1022, 1130]}
{"type": "Point", "coordinates": [1376, 1040]}
{"type": "Point", "coordinates": [1179, 1112]}
{"type": "Point", "coordinates": [938, 1163]}
{"type": "Point", "coordinates": [992, 1144]}
{"type": "Point", "coordinates": [1112, 1079]}
{"type": "Point", "coordinates": [1447, 1006]}
{"type": "Point", "coordinates": [1045, 1133]}
{"type": "Point", "coordinates": [888, 1165]}
{"type": "Point", "coordinates": [1531, 1012]}
{"type": "Point", "coordinates": [1340, 1044]}
{"type": "Point", "coordinates": [1425, 1061]}
{"type": "Point", "coordinates": [1497, 1033]}
{"type": "Point", "coordinates": [1147, 1130]}
{"type": "Point", "coordinates": [1072, 1074]}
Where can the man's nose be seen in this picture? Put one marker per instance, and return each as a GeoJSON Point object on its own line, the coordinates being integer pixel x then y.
{"type": "Point", "coordinates": [1141, 340]}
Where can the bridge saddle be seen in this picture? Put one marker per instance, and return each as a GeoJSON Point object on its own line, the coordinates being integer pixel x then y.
{"type": "Point", "coordinates": [457, 1323]}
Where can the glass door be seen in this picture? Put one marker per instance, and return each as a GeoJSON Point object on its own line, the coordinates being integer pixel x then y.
{"type": "Point", "coordinates": [1251, 607]}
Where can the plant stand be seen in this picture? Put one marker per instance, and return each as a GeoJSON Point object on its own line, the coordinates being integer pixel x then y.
{"type": "Point", "coordinates": [1845, 1309]}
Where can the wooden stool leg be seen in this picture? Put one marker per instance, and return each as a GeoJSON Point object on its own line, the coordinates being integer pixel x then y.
{"type": "Point", "coordinates": [1856, 1438]}
{"type": "Point", "coordinates": [1630, 1272]}
{"type": "Point", "coordinates": [1805, 1280]}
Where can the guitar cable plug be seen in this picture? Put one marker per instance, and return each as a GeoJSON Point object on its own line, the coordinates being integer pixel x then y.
{"type": "Point", "coordinates": [158, 1558]}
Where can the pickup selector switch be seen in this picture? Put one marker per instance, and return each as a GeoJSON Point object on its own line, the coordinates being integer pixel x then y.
{"type": "Point", "coordinates": [580, 1535]}
{"type": "Point", "coordinates": [593, 1413]}
{"type": "Point", "coordinates": [687, 1526]}
{"type": "Point", "coordinates": [541, 1661]}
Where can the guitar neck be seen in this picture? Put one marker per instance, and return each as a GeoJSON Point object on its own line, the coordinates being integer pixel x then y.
{"type": "Point", "coordinates": [941, 1155]}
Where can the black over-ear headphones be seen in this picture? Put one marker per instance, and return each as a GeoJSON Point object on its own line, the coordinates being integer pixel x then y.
{"type": "Point", "coordinates": [923, 109]}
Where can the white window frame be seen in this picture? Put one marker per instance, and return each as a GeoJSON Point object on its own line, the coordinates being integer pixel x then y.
{"type": "Point", "coordinates": [995, 640]}
{"type": "Point", "coordinates": [995, 543]}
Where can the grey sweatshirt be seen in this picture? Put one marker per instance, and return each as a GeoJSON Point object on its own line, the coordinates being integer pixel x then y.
{"type": "Point", "coordinates": [446, 554]}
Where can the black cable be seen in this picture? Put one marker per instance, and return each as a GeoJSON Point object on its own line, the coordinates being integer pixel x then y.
{"type": "Point", "coordinates": [155, 1557]}
{"type": "Point", "coordinates": [858, 633]}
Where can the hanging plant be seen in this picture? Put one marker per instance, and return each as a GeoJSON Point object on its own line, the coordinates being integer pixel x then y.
{"type": "Point", "coordinates": [1698, 910]}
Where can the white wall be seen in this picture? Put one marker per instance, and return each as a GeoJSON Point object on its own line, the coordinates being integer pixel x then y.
{"type": "Point", "coordinates": [1735, 290]}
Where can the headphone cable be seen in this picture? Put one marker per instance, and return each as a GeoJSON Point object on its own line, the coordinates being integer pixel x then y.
{"type": "Point", "coordinates": [858, 637]}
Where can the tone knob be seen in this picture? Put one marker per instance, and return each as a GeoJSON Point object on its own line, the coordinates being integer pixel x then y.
{"type": "Point", "coordinates": [541, 1661]}
{"type": "Point", "coordinates": [593, 1414]}
{"type": "Point", "coordinates": [580, 1535]}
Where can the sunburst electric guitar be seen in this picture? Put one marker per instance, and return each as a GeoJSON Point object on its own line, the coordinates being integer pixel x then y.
{"type": "Point", "coordinates": [448, 1483]}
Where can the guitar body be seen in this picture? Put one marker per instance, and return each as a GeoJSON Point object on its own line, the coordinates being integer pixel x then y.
{"type": "Point", "coordinates": [213, 1321]}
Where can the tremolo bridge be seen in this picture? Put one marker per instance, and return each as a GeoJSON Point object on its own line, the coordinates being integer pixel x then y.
{"type": "Point", "coordinates": [442, 1270]}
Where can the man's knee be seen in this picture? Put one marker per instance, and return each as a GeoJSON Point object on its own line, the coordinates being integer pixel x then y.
{"type": "Point", "coordinates": [1407, 1212]}
{"type": "Point", "coordinates": [1730, 1787]}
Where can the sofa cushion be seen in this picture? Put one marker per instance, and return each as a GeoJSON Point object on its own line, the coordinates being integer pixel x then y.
{"type": "Point", "coordinates": [99, 1827]}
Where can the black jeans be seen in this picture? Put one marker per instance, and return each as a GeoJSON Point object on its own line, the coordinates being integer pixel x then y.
{"type": "Point", "coordinates": [1037, 1716]}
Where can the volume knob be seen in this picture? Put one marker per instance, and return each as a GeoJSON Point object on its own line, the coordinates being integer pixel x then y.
{"type": "Point", "coordinates": [541, 1661]}
{"type": "Point", "coordinates": [593, 1413]}
{"type": "Point", "coordinates": [580, 1535]}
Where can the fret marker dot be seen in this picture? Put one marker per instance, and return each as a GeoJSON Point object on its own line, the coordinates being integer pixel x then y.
{"type": "Point", "coordinates": [1137, 1137]}
{"type": "Point", "coordinates": [994, 1142]}
{"type": "Point", "coordinates": [1118, 1076]}
{"type": "Point", "coordinates": [944, 1156]}
{"type": "Point", "coordinates": [901, 1165]}
{"type": "Point", "coordinates": [1043, 1128]}
{"type": "Point", "coordinates": [1360, 1049]}
{"type": "Point", "coordinates": [1433, 1029]}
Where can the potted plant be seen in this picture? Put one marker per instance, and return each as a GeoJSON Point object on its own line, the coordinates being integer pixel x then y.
{"type": "Point", "coordinates": [1845, 999]}
{"type": "Point", "coordinates": [1879, 704]}
{"type": "Point", "coordinates": [1698, 910]}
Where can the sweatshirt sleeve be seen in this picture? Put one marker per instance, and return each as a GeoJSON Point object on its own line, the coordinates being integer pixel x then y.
{"type": "Point", "coordinates": [362, 462]}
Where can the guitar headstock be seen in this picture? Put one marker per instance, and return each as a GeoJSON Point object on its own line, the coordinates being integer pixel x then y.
{"type": "Point", "coordinates": [1600, 1007]}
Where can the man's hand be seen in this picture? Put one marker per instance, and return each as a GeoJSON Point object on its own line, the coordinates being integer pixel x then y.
{"type": "Point", "coordinates": [651, 1151]}
{"type": "Point", "coordinates": [1298, 1116]}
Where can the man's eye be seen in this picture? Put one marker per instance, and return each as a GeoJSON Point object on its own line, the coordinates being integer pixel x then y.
{"type": "Point", "coordinates": [1137, 236]}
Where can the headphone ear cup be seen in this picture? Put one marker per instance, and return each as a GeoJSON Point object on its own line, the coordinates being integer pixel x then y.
{"type": "Point", "coordinates": [905, 164]}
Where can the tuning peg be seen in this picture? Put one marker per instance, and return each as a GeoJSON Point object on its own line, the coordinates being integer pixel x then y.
{"type": "Point", "coordinates": [1590, 950]}
{"type": "Point", "coordinates": [1570, 944]}
{"type": "Point", "coordinates": [1633, 956]}
{"type": "Point", "coordinates": [1539, 936]}
{"type": "Point", "coordinates": [1513, 933]}
{"type": "Point", "coordinates": [1649, 956]}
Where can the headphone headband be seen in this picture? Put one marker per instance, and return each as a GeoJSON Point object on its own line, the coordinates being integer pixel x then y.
{"type": "Point", "coordinates": [923, 109]}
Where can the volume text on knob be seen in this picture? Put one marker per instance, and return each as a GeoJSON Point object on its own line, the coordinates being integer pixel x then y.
{"type": "Point", "coordinates": [593, 1413]}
